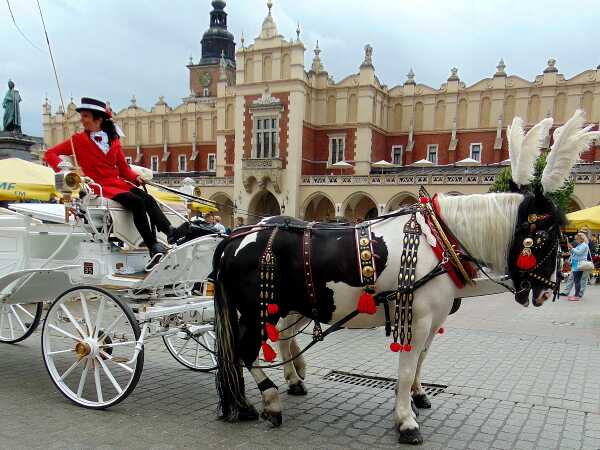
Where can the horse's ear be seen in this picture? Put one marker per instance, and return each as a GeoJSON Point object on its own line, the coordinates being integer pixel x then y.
{"type": "Point", "coordinates": [570, 141]}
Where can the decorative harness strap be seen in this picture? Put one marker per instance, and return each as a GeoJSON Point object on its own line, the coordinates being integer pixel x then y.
{"type": "Point", "coordinates": [268, 302]}
{"type": "Point", "coordinates": [403, 313]}
{"type": "Point", "coordinates": [309, 281]}
{"type": "Point", "coordinates": [367, 270]}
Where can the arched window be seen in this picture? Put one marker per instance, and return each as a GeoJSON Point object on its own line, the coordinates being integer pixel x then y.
{"type": "Point", "coordinates": [267, 68]}
{"type": "Point", "coordinates": [509, 109]}
{"type": "Point", "coordinates": [331, 105]}
{"type": "Point", "coordinates": [533, 112]}
{"type": "Point", "coordinates": [165, 130]}
{"type": "Point", "coordinates": [352, 108]}
{"type": "Point", "coordinates": [286, 71]}
{"type": "Point", "coordinates": [308, 111]}
{"type": "Point", "coordinates": [249, 70]}
{"type": "Point", "coordinates": [587, 103]}
{"type": "Point", "coordinates": [560, 107]}
{"type": "Point", "coordinates": [199, 130]}
{"type": "Point", "coordinates": [418, 125]}
{"type": "Point", "coordinates": [151, 132]}
{"type": "Point", "coordinates": [461, 120]}
{"type": "Point", "coordinates": [440, 114]}
{"type": "Point", "coordinates": [484, 112]}
{"type": "Point", "coordinates": [397, 116]}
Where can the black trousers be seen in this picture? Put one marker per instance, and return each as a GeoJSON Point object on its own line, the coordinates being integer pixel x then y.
{"type": "Point", "coordinates": [144, 207]}
{"type": "Point", "coordinates": [577, 275]}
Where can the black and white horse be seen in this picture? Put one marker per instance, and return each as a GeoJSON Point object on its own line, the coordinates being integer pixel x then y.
{"type": "Point", "coordinates": [491, 227]}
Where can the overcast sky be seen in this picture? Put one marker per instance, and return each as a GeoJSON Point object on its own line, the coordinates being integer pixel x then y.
{"type": "Point", "coordinates": [111, 49]}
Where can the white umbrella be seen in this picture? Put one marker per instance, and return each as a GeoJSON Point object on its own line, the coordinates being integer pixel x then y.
{"type": "Point", "coordinates": [383, 164]}
{"type": "Point", "coordinates": [422, 163]}
{"type": "Point", "coordinates": [468, 162]}
{"type": "Point", "coordinates": [341, 165]}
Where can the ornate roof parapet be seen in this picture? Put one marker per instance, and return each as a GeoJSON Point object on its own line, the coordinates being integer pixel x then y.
{"type": "Point", "coordinates": [551, 68]}
{"type": "Point", "coordinates": [269, 27]}
{"type": "Point", "coordinates": [368, 61]}
{"type": "Point", "coordinates": [410, 77]}
{"type": "Point", "coordinates": [500, 69]}
{"type": "Point", "coordinates": [46, 108]}
{"type": "Point", "coordinates": [317, 65]}
{"type": "Point", "coordinates": [453, 75]}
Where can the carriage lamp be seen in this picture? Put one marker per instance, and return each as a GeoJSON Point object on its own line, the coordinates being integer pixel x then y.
{"type": "Point", "coordinates": [66, 181]}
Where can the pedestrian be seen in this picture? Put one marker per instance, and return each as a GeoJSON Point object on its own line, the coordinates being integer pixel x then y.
{"type": "Point", "coordinates": [579, 255]}
{"type": "Point", "coordinates": [219, 226]}
{"type": "Point", "coordinates": [99, 156]}
{"type": "Point", "coordinates": [239, 222]}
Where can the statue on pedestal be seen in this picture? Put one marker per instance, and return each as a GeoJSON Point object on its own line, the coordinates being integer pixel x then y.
{"type": "Point", "coordinates": [12, 113]}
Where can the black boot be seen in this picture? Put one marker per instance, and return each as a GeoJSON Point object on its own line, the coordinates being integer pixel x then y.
{"type": "Point", "coordinates": [157, 251]}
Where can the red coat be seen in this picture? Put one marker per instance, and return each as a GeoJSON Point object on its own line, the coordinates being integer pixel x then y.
{"type": "Point", "coordinates": [110, 171]}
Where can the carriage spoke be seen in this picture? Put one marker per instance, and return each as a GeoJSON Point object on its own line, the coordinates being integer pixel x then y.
{"type": "Point", "coordinates": [86, 313]}
{"type": "Point", "coordinates": [10, 324]}
{"type": "Point", "coordinates": [183, 347]}
{"type": "Point", "coordinates": [73, 320]}
{"type": "Point", "coordinates": [60, 330]}
{"type": "Point", "coordinates": [31, 316]}
{"type": "Point", "coordinates": [12, 308]}
{"type": "Point", "coordinates": [110, 328]}
{"type": "Point", "coordinates": [121, 365]}
{"type": "Point", "coordinates": [118, 344]}
{"type": "Point", "coordinates": [59, 352]}
{"type": "Point", "coordinates": [70, 369]}
{"type": "Point", "coordinates": [197, 352]}
{"type": "Point", "coordinates": [97, 382]}
{"type": "Point", "coordinates": [2, 314]}
{"type": "Point", "coordinates": [83, 378]}
{"type": "Point", "coordinates": [110, 376]}
{"type": "Point", "coordinates": [99, 318]}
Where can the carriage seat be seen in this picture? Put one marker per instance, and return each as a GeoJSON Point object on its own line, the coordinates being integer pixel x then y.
{"type": "Point", "coordinates": [123, 226]}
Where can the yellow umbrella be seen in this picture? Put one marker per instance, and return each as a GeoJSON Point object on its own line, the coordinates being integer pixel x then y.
{"type": "Point", "coordinates": [589, 217]}
{"type": "Point", "coordinates": [22, 180]}
{"type": "Point", "coordinates": [177, 202]}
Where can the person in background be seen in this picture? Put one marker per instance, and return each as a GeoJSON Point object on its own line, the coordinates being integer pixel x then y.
{"type": "Point", "coordinates": [210, 219]}
{"type": "Point", "coordinates": [579, 254]}
{"type": "Point", "coordinates": [219, 226]}
{"type": "Point", "coordinates": [239, 222]}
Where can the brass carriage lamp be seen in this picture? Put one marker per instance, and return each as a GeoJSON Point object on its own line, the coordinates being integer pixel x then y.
{"type": "Point", "coordinates": [66, 181]}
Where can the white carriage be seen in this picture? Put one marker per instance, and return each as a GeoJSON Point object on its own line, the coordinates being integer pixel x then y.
{"type": "Point", "coordinates": [87, 271]}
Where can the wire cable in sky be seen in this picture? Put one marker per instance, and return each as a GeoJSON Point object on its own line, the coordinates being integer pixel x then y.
{"type": "Point", "coordinates": [19, 29]}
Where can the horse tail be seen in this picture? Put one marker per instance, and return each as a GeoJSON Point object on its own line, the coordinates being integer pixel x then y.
{"type": "Point", "coordinates": [229, 379]}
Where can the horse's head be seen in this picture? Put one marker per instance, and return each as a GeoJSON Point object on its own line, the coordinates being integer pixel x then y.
{"type": "Point", "coordinates": [533, 259]}
{"type": "Point", "coordinates": [534, 252]}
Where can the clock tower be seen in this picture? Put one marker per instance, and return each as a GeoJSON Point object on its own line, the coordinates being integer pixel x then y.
{"type": "Point", "coordinates": [217, 42]}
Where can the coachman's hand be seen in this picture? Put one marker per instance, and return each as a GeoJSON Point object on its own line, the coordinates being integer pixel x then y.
{"type": "Point", "coordinates": [140, 181]}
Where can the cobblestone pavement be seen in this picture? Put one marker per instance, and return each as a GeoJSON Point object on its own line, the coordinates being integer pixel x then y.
{"type": "Point", "coordinates": [518, 378]}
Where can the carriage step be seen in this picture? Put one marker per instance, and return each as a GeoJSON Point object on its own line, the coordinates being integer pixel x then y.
{"type": "Point", "coordinates": [133, 276]}
{"type": "Point", "coordinates": [378, 382]}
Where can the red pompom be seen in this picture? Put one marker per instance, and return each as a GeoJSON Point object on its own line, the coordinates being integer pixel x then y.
{"type": "Point", "coordinates": [268, 353]}
{"type": "Point", "coordinates": [441, 330]}
{"type": "Point", "coordinates": [272, 332]}
{"type": "Point", "coordinates": [395, 347]}
{"type": "Point", "coordinates": [423, 200]}
{"type": "Point", "coordinates": [366, 304]}
{"type": "Point", "coordinates": [407, 348]}
{"type": "Point", "coordinates": [272, 309]}
{"type": "Point", "coordinates": [526, 262]}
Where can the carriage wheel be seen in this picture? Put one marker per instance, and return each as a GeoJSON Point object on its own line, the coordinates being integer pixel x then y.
{"type": "Point", "coordinates": [17, 322]}
{"type": "Point", "coordinates": [190, 353]}
{"type": "Point", "coordinates": [88, 342]}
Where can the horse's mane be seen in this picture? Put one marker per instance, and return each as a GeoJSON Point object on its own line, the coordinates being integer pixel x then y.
{"type": "Point", "coordinates": [483, 223]}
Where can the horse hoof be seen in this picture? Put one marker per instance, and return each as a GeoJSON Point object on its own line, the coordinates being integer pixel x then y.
{"type": "Point", "coordinates": [248, 414]}
{"type": "Point", "coordinates": [275, 418]}
{"type": "Point", "coordinates": [297, 389]}
{"type": "Point", "coordinates": [410, 436]}
{"type": "Point", "coordinates": [414, 408]}
{"type": "Point", "coordinates": [421, 401]}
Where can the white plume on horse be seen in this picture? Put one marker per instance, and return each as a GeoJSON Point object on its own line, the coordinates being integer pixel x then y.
{"type": "Point", "coordinates": [570, 141]}
{"type": "Point", "coordinates": [525, 148]}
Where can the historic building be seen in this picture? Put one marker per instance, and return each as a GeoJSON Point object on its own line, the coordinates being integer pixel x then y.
{"type": "Point", "coordinates": [261, 132]}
